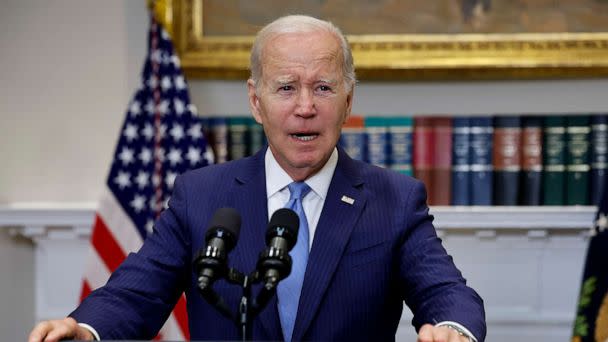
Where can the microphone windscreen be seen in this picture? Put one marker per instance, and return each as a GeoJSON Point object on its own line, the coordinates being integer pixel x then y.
{"type": "Point", "coordinates": [286, 219]}
{"type": "Point", "coordinates": [228, 220]}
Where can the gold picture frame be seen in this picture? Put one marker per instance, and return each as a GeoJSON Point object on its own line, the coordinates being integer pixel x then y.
{"type": "Point", "coordinates": [405, 56]}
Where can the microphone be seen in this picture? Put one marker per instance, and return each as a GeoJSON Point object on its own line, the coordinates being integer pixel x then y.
{"type": "Point", "coordinates": [210, 262]}
{"type": "Point", "coordinates": [282, 234]}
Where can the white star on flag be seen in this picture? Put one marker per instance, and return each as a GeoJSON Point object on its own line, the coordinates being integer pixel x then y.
{"type": "Point", "coordinates": [179, 106]}
{"type": "Point", "coordinates": [177, 132]}
{"type": "Point", "coordinates": [145, 155]}
{"type": "Point", "coordinates": [142, 179]}
{"type": "Point", "coordinates": [174, 156]}
{"type": "Point", "coordinates": [130, 132]}
{"type": "Point", "coordinates": [196, 131]}
{"type": "Point", "coordinates": [123, 180]}
{"type": "Point", "coordinates": [180, 83]}
{"type": "Point", "coordinates": [193, 155]}
{"type": "Point", "coordinates": [166, 83]}
{"type": "Point", "coordinates": [135, 108]}
{"type": "Point", "coordinates": [170, 179]}
{"type": "Point", "coordinates": [138, 203]}
{"type": "Point", "coordinates": [148, 131]}
{"type": "Point", "coordinates": [126, 156]}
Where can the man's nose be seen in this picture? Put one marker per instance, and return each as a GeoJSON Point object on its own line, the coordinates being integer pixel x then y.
{"type": "Point", "coordinates": [306, 104]}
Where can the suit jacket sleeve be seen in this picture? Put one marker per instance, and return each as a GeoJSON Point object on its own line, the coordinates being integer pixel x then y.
{"type": "Point", "coordinates": [434, 288]}
{"type": "Point", "coordinates": [141, 293]}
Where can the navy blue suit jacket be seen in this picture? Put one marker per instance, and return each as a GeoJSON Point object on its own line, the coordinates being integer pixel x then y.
{"type": "Point", "coordinates": [367, 258]}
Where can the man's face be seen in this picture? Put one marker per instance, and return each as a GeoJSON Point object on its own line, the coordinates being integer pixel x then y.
{"type": "Point", "coordinates": [302, 100]}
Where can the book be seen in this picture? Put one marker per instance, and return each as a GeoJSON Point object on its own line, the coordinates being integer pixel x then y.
{"type": "Point", "coordinates": [353, 139]}
{"type": "Point", "coordinates": [506, 159]}
{"type": "Point", "coordinates": [424, 147]}
{"type": "Point", "coordinates": [376, 130]}
{"type": "Point", "coordinates": [400, 137]}
{"type": "Point", "coordinates": [482, 169]}
{"type": "Point", "coordinates": [554, 160]}
{"type": "Point", "coordinates": [599, 156]}
{"type": "Point", "coordinates": [577, 159]}
{"type": "Point", "coordinates": [216, 132]}
{"type": "Point", "coordinates": [531, 161]}
{"type": "Point", "coordinates": [238, 139]}
{"type": "Point", "coordinates": [442, 161]}
{"type": "Point", "coordinates": [257, 138]}
{"type": "Point", "coordinates": [461, 161]}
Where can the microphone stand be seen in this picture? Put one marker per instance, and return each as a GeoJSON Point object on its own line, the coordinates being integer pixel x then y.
{"type": "Point", "coordinates": [248, 308]}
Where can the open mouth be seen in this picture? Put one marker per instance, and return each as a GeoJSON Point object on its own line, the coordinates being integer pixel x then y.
{"type": "Point", "coordinates": [304, 136]}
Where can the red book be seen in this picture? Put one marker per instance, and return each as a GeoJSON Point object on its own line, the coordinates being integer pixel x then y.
{"type": "Point", "coordinates": [441, 171]}
{"type": "Point", "coordinates": [506, 159]}
{"type": "Point", "coordinates": [424, 147]}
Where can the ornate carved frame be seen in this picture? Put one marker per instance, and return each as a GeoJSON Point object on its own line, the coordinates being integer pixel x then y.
{"type": "Point", "coordinates": [407, 57]}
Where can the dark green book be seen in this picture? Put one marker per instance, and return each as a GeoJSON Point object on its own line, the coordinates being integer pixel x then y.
{"type": "Point", "coordinates": [554, 160]}
{"type": "Point", "coordinates": [257, 139]}
{"type": "Point", "coordinates": [577, 159]}
{"type": "Point", "coordinates": [237, 137]}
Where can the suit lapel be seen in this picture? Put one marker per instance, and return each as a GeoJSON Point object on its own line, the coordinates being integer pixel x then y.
{"type": "Point", "coordinates": [333, 231]}
{"type": "Point", "coordinates": [250, 199]}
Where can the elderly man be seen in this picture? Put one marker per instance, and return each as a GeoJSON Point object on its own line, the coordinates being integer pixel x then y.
{"type": "Point", "coordinates": [366, 241]}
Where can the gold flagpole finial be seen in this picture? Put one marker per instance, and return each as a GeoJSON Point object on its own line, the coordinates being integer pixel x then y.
{"type": "Point", "coordinates": [163, 13]}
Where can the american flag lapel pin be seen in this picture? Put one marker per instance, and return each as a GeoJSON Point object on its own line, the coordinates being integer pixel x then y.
{"type": "Point", "coordinates": [347, 199]}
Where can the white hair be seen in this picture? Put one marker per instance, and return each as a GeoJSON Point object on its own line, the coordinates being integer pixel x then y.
{"type": "Point", "coordinates": [300, 24]}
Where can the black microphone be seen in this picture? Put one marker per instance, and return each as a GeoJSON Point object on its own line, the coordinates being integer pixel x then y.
{"type": "Point", "coordinates": [282, 234]}
{"type": "Point", "coordinates": [211, 262]}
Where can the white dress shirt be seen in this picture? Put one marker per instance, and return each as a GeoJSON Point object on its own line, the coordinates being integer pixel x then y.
{"type": "Point", "coordinates": [278, 193]}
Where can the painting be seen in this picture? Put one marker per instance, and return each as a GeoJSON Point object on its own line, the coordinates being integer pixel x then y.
{"type": "Point", "coordinates": [410, 39]}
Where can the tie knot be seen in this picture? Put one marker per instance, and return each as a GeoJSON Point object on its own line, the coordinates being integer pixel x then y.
{"type": "Point", "coordinates": [298, 190]}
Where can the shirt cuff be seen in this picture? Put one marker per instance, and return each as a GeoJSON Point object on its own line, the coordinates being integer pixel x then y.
{"type": "Point", "coordinates": [459, 326]}
{"type": "Point", "coordinates": [93, 331]}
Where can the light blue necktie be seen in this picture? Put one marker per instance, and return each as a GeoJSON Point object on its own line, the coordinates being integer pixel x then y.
{"type": "Point", "coordinates": [290, 288]}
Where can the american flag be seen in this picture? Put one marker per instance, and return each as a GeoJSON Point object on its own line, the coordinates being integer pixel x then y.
{"type": "Point", "coordinates": [161, 137]}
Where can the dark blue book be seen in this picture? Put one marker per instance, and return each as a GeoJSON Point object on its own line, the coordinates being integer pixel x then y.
{"type": "Point", "coordinates": [599, 155]}
{"type": "Point", "coordinates": [461, 161]}
{"type": "Point", "coordinates": [481, 139]}
{"type": "Point", "coordinates": [353, 138]}
{"type": "Point", "coordinates": [531, 161]}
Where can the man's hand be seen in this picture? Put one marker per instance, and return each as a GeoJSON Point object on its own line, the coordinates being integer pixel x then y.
{"type": "Point", "coordinates": [430, 333]}
{"type": "Point", "coordinates": [52, 331]}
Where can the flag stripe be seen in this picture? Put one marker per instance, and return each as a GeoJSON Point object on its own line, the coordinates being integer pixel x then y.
{"type": "Point", "coordinates": [118, 222]}
{"type": "Point", "coordinates": [103, 241]}
{"type": "Point", "coordinates": [96, 272]}
{"type": "Point", "coordinates": [181, 314]}
{"type": "Point", "coordinates": [86, 290]}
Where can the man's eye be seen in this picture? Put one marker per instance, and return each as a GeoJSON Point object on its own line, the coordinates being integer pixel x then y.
{"type": "Point", "coordinates": [324, 88]}
{"type": "Point", "coordinates": [285, 88]}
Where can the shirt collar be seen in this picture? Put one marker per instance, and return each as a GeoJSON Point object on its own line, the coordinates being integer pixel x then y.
{"type": "Point", "coordinates": [277, 179]}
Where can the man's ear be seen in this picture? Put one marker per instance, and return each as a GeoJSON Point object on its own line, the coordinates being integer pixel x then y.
{"type": "Point", "coordinates": [349, 104]}
{"type": "Point", "coordinates": [254, 101]}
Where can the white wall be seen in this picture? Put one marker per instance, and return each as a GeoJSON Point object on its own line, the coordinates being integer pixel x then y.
{"type": "Point", "coordinates": [69, 67]}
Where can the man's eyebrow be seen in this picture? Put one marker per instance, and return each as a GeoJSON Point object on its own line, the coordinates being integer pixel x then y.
{"type": "Point", "coordinates": [328, 81]}
{"type": "Point", "coordinates": [284, 80]}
